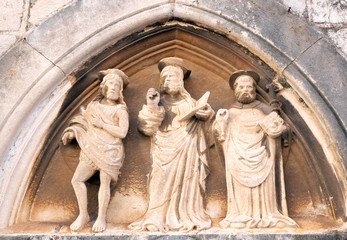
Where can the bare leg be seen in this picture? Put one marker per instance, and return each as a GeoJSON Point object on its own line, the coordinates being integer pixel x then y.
{"type": "Point", "coordinates": [83, 172]}
{"type": "Point", "coordinates": [104, 199]}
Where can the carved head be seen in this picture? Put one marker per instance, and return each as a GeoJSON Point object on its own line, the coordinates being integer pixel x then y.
{"type": "Point", "coordinates": [244, 87]}
{"type": "Point", "coordinates": [112, 85]}
{"type": "Point", "coordinates": [172, 75]}
{"type": "Point", "coordinates": [244, 84]}
{"type": "Point", "coordinates": [171, 79]}
{"type": "Point", "coordinates": [174, 61]}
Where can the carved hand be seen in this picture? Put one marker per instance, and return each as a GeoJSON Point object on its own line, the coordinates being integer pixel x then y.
{"type": "Point", "coordinates": [97, 121]}
{"type": "Point", "coordinates": [222, 115]}
{"type": "Point", "coordinates": [204, 113]}
{"type": "Point", "coordinates": [67, 137]}
{"type": "Point", "coordinates": [273, 125]}
{"type": "Point", "coordinates": [222, 118]}
{"type": "Point", "coordinates": [152, 98]}
{"type": "Point", "coordinates": [277, 85]}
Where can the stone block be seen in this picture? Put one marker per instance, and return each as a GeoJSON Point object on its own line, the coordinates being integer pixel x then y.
{"type": "Point", "coordinates": [7, 42]}
{"type": "Point", "coordinates": [339, 37]}
{"type": "Point", "coordinates": [32, 114]}
{"type": "Point", "coordinates": [107, 36]}
{"type": "Point", "coordinates": [322, 11]}
{"type": "Point", "coordinates": [20, 68]}
{"type": "Point", "coordinates": [75, 24]}
{"type": "Point", "coordinates": [288, 33]}
{"type": "Point", "coordinates": [40, 10]}
{"type": "Point", "coordinates": [329, 76]}
{"type": "Point", "coordinates": [232, 236]}
{"type": "Point", "coordinates": [317, 94]}
{"type": "Point", "coordinates": [83, 28]}
{"type": "Point", "coordinates": [11, 14]}
{"type": "Point", "coordinates": [296, 6]}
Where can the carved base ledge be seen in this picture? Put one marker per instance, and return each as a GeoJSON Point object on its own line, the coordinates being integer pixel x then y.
{"type": "Point", "coordinates": [310, 228]}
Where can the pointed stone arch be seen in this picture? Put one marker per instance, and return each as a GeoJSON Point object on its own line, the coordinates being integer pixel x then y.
{"type": "Point", "coordinates": [67, 71]}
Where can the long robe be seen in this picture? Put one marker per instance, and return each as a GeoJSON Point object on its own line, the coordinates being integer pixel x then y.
{"type": "Point", "coordinates": [99, 148]}
{"type": "Point", "coordinates": [179, 170]}
{"type": "Point", "coordinates": [250, 151]}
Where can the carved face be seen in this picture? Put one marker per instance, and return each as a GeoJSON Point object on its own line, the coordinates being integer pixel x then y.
{"type": "Point", "coordinates": [172, 78]}
{"type": "Point", "coordinates": [112, 86]}
{"type": "Point", "coordinates": [244, 89]}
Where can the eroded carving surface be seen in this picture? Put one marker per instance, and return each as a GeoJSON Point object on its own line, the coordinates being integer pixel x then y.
{"type": "Point", "coordinates": [99, 130]}
{"type": "Point", "coordinates": [179, 153]}
{"type": "Point", "coordinates": [248, 132]}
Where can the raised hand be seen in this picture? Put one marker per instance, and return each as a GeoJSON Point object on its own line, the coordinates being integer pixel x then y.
{"type": "Point", "coordinates": [152, 98]}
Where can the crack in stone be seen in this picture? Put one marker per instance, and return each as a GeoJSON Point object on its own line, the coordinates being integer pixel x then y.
{"type": "Point", "coordinates": [24, 19]}
{"type": "Point", "coordinates": [55, 65]}
{"type": "Point", "coordinates": [300, 54]}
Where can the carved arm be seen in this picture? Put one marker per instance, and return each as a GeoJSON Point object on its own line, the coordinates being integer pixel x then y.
{"type": "Point", "coordinates": [220, 123]}
{"type": "Point", "coordinates": [150, 120]}
{"type": "Point", "coordinates": [121, 130]}
{"type": "Point", "coordinates": [273, 125]}
{"type": "Point", "coordinates": [205, 113]}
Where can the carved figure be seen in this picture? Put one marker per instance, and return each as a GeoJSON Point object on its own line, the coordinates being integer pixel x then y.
{"type": "Point", "coordinates": [99, 130]}
{"type": "Point", "coordinates": [248, 132]}
{"type": "Point", "coordinates": [178, 151]}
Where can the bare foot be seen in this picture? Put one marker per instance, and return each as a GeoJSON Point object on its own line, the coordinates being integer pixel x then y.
{"type": "Point", "coordinates": [152, 228]}
{"type": "Point", "coordinates": [237, 225]}
{"type": "Point", "coordinates": [224, 223]}
{"type": "Point", "coordinates": [99, 225]}
{"type": "Point", "coordinates": [79, 223]}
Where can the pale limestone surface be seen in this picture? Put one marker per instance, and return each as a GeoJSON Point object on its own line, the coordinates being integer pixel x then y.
{"type": "Point", "coordinates": [254, 26]}
{"type": "Point", "coordinates": [340, 38]}
{"type": "Point", "coordinates": [19, 75]}
{"type": "Point", "coordinates": [179, 153]}
{"type": "Point", "coordinates": [297, 6]}
{"type": "Point", "coordinates": [248, 133]}
{"type": "Point", "coordinates": [38, 80]}
{"type": "Point", "coordinates": [322, 11]}
{"type": "Point", "coordinates": [85, 29]}
{"type": "Point", "coordinates": [316, 58]}
{"type": "Point", "coordinates": [82, 21]}
{"type": "Point", "coordinates": [40, 10]}
{"type": "Point", "coordinates": [99, 130]}
{"type": "Point", "coordinates": [33, 116]}
{"type": "Point", "coordinates": [317, 11]}
{"type": "Point", "coordinates": [11, 14]}
{"type": "Point", "coordinates": [7, 42]}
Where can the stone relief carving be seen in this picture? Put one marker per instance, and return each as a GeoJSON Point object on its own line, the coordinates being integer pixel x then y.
{"type": "Point", "coordinates": [248, 133]}
{"type": "Point", "coordinates": [177, 125]}
{"type": "Point", "coordinates": [175, 122]}
{"type": "Point", "coordinates": [99, 130]}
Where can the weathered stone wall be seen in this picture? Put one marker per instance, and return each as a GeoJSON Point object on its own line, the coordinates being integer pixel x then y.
{"type": "Point", "coordinates": [44, 42]}
{"type": "Point", "coordinates": [20, 17]}
{"type": "Point", "coordinates": [330, 17]}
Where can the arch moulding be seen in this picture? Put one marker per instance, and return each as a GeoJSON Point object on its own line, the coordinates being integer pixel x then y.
{"type": "Point", "coordinates": [39, 72]}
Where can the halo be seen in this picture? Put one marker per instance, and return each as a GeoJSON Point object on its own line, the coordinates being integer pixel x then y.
{"type": "Point", "coordinates": [239, 73]}
{"type": "Point", "coordinates": [120, 73]}
{"type": "Point", "coordinates": [174, 61]}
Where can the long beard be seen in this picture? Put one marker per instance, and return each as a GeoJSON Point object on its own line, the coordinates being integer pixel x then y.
{"type": "Point", "coordinates": [172, 89]}
{"type": "Point", "coordinates": [245, 98]}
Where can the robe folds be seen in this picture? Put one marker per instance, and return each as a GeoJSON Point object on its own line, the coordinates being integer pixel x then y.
{"type": "Point", "coordinates": [179, 170]}
{"type": "Point", "coordinates": [98, 147]}
{"type": "Point", "coordinates": [250, 154]}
